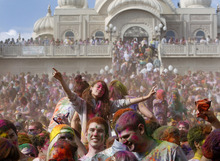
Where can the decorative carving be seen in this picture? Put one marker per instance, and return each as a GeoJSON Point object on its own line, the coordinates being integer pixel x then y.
{"type": "Point", "coordinates": [172, 17]}
{"type": "Point", "coordinates": [69, 18]}
{"type": "Point", "coordinates": [73, 28]}
{"type": "Point", "coordinates": [200, 17]}
{"type": "Point", "coordinates": [97, 18]}
{"type": "Point", "coordinates": [94, 28]}
{"type": "Point", "coordinates": [135, 32]}
{"type": "Point", "coordinates": [195, 28]}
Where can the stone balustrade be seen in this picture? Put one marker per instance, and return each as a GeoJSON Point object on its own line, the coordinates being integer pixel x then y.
{"type": "Point", "coordinates": [56, 51]}
{"type": "Point", "coordinates": [104, 51]}
{"type": "Point", "coordinates": [198, 50]}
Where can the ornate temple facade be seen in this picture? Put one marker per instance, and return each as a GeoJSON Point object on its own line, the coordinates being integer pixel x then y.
{"type": "Point", "coordinates": [131, 18]}
{"type": "Point", "coordinates": [127, 19]}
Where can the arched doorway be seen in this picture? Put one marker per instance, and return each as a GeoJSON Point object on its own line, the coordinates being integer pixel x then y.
{"type": "Point", "coordinates": [135, 32]}
{"type": "Point", "coordinates": [170, 34]}
{"type": "Point", "coordinates": [69, 34]}
{"type": "Point", "coordinates": [99, 35]}
{"type": "Point", "coordinates": [199, 35]}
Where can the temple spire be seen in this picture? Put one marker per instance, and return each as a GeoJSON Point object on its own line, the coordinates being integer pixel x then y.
{"type": "Point", "coordinates": [49, 10]}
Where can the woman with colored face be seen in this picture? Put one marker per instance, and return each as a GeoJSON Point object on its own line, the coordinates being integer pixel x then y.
{"type": "Point", "coordinates": [95, 101]}
{"type": "Point", "coordinates": [8, 131]}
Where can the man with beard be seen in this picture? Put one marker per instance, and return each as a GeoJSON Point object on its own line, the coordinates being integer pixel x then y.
{"type": "Point", "coordinates": [96, 134]}
{"type": "Point", "coordinates": [133, 133]}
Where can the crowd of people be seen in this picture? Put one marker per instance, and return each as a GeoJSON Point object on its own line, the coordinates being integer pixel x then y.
{"type": "Point", "coordinates": [68, 41]}
{"type": "Point", "coordinates": [133, 112]}
{"type": "Point", "coordinates": [47, 41]}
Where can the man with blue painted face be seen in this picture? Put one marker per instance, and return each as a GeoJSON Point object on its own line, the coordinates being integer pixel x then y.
{"type": "Point", "coordinates": [35, 128]}
{"type": "Point", "coordinates": [133, 133]}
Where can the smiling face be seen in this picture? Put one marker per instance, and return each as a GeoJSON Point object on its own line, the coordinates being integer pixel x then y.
{"type": "Point", "coordinates": [98, 90]}
{"type": "Point", "coordinates": [96, 135]}
{"type": "Point", "coordinates": [132, 139]}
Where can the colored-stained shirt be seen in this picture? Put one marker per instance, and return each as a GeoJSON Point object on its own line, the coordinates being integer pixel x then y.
{"type": "Point", "coordinates": [164, 151]}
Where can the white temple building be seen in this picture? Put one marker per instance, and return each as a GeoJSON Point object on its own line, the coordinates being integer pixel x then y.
{"type": "Point", "coordinates": [131, 18]}
{"type": "Point", "coordinates": [128, 19]}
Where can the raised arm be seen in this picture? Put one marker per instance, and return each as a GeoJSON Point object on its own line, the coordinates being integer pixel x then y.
{"type": "Point", "coordinates": [210, 117]}
{"type": "Point", "coordinates": [59, 77]}
{"type": "Point", "coordinates": [146, 112]}
{"type": "Point", "coordinates": [143, 98]}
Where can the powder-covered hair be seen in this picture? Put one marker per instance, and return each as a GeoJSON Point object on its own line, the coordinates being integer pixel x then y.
{"type": "Point", "coordinates": [124, 156]}
{"type": "Point", "coordinates": [117, 90]}
{"type": "Point", "coordinates": [118, 114]}
{"type": "Point", "coordinates": [166, 132]}
{"type": "Point", "coordinates": [39, 140]}
{"type": "Point", "coordinates": [152, 126]}
{"type": "Point", "coordinates": [38, 125]}
{"type": "Point", "coordinates": [98, 120]}
{"type": "Point", "coordinates": [183, 123]}
{"type": "Point", "coordinates": [197, 134]}
{"type": "Point", "coordinates": [105, 104]}
{"type": "Point", "coordinates": [80, 85]}
{"type": "Point", "coordinates": [5, 125]}
{"type": "Point", "coordinates": [65, 150]}
{"type": "Point", "coordinates": [130, 120]}
{"type": "Point", "coordinates": [8, 151]}
{"type": "Point", "coordinates": [211, 147]}
{"type": "Point", "coordinates": [23, 138]}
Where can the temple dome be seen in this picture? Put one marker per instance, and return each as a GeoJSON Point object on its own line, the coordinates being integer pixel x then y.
{"type": "Point", "coordinates": [72, 3]}
{"type": "Point", "coordinates": [195, 3]}
{"type": "Point", "coordinates": [44, 25]}
{"type": "Point", "coordinates": [117, 3]}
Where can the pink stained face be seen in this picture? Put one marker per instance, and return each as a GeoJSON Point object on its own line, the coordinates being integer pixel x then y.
{"type": "Point", "coordinates": [98, 90]}
{"type": "Point", "coordinates": [182, 127]}
{"type": "Point", "coordinates": [131, 139]}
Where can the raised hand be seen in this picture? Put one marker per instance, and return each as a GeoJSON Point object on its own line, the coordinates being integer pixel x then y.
{"type": "Point", "coordinates": [57, 75]}
{"type": "Point", "coordinates": [152, 91]}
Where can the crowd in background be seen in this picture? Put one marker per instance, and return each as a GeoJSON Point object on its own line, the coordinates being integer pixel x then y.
{"type": "Point", "coordinates": [46, 41]}
{"type": "Point", "coordinates": [68, 41]}
{"type": "Point", "coordinates": [29, 100]}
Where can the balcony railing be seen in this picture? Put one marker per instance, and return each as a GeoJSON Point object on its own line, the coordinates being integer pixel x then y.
{"type": "Point", "coordinates": [197, 50]}
{"type": "Point", "coordinates": [56, 51]}
{"type": "Point", "coordinates": [86, 51]}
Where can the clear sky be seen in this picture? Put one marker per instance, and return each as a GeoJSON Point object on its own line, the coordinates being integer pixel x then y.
{"type": "Point", "coordinates": [19, 16]}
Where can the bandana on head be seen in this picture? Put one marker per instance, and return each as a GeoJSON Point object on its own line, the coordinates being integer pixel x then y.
{"type": "Point", "coordinates": [61, 129]}
{"type": "Point", "coordinates": [28, 149]}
